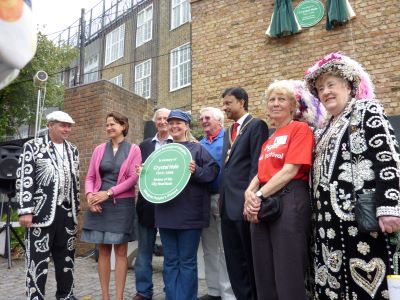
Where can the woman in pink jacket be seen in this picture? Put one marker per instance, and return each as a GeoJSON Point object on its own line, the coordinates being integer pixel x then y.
{"type": "Point", "coordinates": [110, 193]}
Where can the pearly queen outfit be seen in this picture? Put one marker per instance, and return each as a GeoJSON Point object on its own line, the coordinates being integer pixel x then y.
{"type": "Point", "coordinates": [348, 264]}
{"type": "Point", "coordinates": [48, 188]}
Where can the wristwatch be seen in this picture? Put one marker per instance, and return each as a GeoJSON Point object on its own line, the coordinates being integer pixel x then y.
{"type": "Point", "coordinates": [109, 193]}
{"type": "Point", "coordinates": [259, 194]}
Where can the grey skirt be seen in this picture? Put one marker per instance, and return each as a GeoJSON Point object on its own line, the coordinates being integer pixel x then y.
{"type": "Point", "coordinates": [105, 237]}
{"type": "Point", "coordinates": [115, 225]}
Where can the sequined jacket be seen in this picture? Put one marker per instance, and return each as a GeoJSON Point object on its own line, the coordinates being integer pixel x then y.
{"type": "Point", "coordinates": [37, 183]}
{"type": "Point", "coordinates": [349, 264]}
{"type": "Point", "coordinates": [375, 164]}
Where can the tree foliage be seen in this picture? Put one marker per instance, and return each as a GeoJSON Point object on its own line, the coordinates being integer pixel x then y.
{"type": "Point", "coordinates": [18, 100]}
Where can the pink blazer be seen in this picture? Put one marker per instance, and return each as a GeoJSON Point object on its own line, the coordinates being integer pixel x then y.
{"type": "Point", "coordinates": [127, 177]}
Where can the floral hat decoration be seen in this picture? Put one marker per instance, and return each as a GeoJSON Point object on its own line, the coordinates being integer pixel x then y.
{"type": "Point", "coordinates": [346, 68]}
{"type": "Point", "coordinates": [309, 109]}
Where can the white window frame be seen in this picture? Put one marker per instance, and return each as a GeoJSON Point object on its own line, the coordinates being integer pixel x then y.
{"type": "Point", "coordinates": [144, 28]}
{"type": "Point", "coordinates": [115, 42]}
{"type": "Point", "coordinates": [117, 80]}
{"type": "Point", "coordinates": [180, 63]}
{"type": "Point", "coordinates": [180, 13]}
{"type": "Point", "coordinates": [142, 79]}
{"type": "Point", "coordinates": [91, 69]}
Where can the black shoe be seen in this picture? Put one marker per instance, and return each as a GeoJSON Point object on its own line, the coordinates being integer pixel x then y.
{"type": "Point", "coordinates": [209, 297]}
{"type": "Point", "coordinates": [158, 250]}
{"type": "Point", "coordinates": [140, 297]}
{"type": "Point", "coordinates": [70, 298]}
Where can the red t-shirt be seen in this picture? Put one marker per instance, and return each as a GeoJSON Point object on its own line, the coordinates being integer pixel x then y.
{"type": "Point", "coordinates": [291, 144]}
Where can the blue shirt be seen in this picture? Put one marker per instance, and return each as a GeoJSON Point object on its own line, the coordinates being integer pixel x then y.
{"type": "Point", "coordinates": [157, 141]}
{"type": "Point", "coordinates": [215, 150]}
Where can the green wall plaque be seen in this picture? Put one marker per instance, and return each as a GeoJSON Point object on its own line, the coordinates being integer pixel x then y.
{"type": "Point", "coordinates": [309, 12]}
{"type": "Point", "coordinates": [165, 173]}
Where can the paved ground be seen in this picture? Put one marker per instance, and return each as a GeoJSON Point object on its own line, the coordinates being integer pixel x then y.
{"type": "Point", "coordinates": [87, 286]}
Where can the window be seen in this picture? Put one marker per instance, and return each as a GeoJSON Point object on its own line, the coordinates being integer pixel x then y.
{"type": "Point", "coordinates": [180, 13]}
{"type": "Point", "coordinates": [117, 80]}
{"type": "Point", "coordinates": [91, 68]}
{"type": "Point", "coordinates": [72, 79]}
{"type": "Point", "coordinates": [143, 79]}
{"type": "Point", "coordinates": [181, 68]}
{"type": "Point", "coordinates": [60, 77]}
{"type": "Point", "coordinates": [115, 44]}
{"type": "Point", "coordinates": [144, 25]}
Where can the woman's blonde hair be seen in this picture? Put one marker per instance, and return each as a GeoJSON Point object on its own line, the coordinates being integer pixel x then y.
{"type": "Point", "coordinates": [284, 87]}
{"type": "Point", "coordinates": [188, 134]}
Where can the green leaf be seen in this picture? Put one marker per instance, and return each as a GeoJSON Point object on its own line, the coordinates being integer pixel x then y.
{"type": "Point", "coordinates": [18, 100]}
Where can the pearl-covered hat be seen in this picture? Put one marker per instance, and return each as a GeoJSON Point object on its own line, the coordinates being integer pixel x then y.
{"type": "Point", "coordinates": [345, 67]}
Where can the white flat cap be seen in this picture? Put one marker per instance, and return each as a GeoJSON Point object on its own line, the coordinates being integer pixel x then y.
{"type": "Point", "coordinates": [59, 116]}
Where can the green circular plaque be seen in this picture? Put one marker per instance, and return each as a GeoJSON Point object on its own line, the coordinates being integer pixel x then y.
{"type": "Point", "coordinates": [309, 12]}
{"type": "Point", "coordinates": [165, 173]}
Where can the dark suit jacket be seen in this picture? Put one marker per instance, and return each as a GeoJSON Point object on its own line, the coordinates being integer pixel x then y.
{"type": "Point", "coordinates": [144, 208]}
{"type": "Point", "coordinates": [241, 167]}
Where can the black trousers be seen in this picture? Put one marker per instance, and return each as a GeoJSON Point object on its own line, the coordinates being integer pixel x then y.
{"type": "Point", "coordinates": [238, 256]}
{"type": "Point", "coordinates": [280, 248]}
{"type": "Point", "coordinates": [57, 240]}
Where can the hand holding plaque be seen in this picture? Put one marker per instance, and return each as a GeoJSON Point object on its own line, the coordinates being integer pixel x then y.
{"type": "Point", "coordinates": [165, 173]}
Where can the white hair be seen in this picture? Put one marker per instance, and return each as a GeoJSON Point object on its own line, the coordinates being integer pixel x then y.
{"type": "Point", "coordinates": [158, 111]}
{"type": "Point", "coordinates": [216, 113]}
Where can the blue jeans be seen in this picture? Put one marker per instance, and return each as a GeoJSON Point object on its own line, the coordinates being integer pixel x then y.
{"type": "Point", "coordinates": [143, 267]}
{"type": "Point", "coordinates": [180, 263]}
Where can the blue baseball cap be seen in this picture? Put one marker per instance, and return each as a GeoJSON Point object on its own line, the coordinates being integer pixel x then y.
{"type": "Point", "coordinates": [179, 114]}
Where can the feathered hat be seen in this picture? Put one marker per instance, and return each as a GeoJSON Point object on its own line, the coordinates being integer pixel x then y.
{"type": "Point", "coordinates": [309, 109]}
{"type": "Point", "coordinates": [346, 68]}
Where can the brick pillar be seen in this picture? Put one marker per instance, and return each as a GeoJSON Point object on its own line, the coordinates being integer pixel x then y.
{"type": "Point", "coordinates": [88, 105]}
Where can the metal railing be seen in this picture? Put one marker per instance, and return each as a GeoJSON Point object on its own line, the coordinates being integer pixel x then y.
{"type": "Point", "coordinates": [99, 17]}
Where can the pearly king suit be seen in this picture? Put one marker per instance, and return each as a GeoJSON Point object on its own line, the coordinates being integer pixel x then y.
{"type": "Point", "coordinates": [47, 187]}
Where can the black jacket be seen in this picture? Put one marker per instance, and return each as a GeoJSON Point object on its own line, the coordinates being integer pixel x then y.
{"type": "Point", "coordinates": [144, 208]}
{"type": "Point", "coordinates": [191, 208]}
{"type": "Point", "coordinates": [241, 166]}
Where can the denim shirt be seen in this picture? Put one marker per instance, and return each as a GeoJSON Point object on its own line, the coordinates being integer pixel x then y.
{"type": "Point", "coordinates": [215, 149]}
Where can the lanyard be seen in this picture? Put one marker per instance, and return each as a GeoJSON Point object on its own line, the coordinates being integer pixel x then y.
{"type": "Point", "coordinates": [242, 127]}
{"type": "Point", "coordinates": [232, 143]}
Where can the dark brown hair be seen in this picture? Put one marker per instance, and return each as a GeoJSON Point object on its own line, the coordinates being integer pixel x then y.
{"type": "Point", "coordinates": [239, 93]}
{"type": "Point", "coordinates": [120, 119]}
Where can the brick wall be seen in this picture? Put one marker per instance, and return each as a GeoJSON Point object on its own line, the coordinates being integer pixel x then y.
{"type": "Point", "coordinates": [229, 47]}
{"type": "Point", "coordinates": [88, 105]}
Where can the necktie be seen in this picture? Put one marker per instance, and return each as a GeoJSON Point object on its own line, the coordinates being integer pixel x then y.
{"type": "Point", "coordinates": [234, 130]}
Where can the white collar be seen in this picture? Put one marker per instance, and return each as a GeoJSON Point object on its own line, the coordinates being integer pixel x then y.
{"type": "Point", "coordinates": [242, 118]}
{"type": "Point", "coordinates": [155, 138]}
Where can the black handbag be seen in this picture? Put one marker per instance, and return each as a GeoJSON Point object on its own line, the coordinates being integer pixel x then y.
{"type": "Point", "coordinates": [365, 204]}
{"type": "Point", "coordinates": [271, 207]}
{"type": "Point", "coordinates": [365, 213]}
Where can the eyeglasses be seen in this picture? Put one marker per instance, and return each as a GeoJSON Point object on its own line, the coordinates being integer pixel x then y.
{"type": "Point", "coordinates": [205, 118]}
